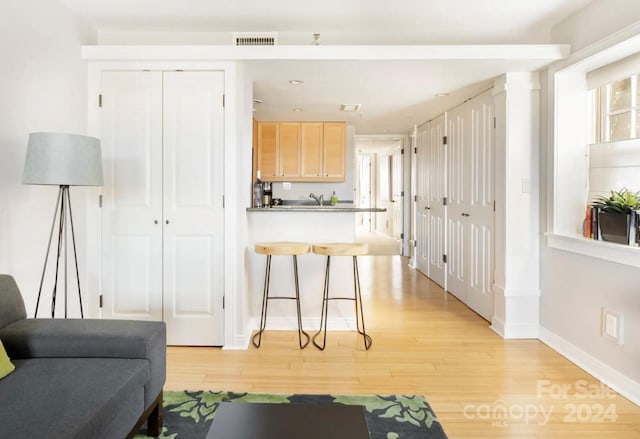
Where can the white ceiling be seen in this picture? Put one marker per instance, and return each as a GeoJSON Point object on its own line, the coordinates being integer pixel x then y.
{"type": "Point", "coordinates": [394, 95]}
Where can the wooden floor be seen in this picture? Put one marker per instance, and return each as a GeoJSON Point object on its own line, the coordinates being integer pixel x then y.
{"type": "Point", "coordinates": [479, 385]}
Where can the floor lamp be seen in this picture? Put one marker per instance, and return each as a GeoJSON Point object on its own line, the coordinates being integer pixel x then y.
{"type": "Point", "coordinates": [62, 160]}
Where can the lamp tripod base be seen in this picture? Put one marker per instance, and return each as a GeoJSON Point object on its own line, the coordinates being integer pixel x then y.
{"type": "Point", "coordinates": [63, 222]}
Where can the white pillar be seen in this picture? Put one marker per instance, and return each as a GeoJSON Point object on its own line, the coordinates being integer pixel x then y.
{"type": "Point", "coordinates": [516, 284]}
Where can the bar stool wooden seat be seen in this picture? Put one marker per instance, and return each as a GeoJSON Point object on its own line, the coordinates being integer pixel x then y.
{"type": "Point", "coordinates": [342, 249]}
{"type": "Point", "coordinates": [281, 249]}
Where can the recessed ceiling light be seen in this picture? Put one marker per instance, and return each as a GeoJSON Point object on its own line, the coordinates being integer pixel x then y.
{"type": "Point", "coordinates": [257, 101]}
{"type": "Point", "coordinates": [441, 95]}
{"type": "Point", "coordinates": [298, 109]}
{"type": "Point", "coordinates": [349, 107]}
{"type": "Point", "coordinates": [296, 82]}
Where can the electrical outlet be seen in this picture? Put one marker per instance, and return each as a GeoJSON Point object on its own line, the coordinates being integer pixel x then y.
{"type": "Point", "coordinates": [286, 186]}
{"type": "Point", "coordinates": [613, 326]}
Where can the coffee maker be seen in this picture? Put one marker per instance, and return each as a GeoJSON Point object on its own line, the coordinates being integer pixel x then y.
{"type": "Point", "coordinates": [267, 194]}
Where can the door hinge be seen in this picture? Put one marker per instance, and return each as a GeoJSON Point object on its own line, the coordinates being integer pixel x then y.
{"type": "Point", "coordinates": [444, 140]}
{"type": "Point", "coordinates": [100, 300]}
{"type": "Point", "coordinates": [100, 200]}
{"type": "Point", "coordinates": [415, 150]}
{"type": "Point", "coordinates": [223, 302]}
{"type": "Point", "coordinates": [402, 151]}
{"type": "Point", "coordinates": [444, 258]}
{"type": "Point", "coordinates": [402, 236]}
{"type": "Point", "coordinates": [444, 201]}
{"type": "Point", "coordinates": [223, 100]}
{"type": "Point", "coordinates": [494, 122]}
{"type": "Point", "coordinates": [223, 201]}
{"type": "Point", "coordinates": [494, 205]}
{"type": "Point", "coordinates": [415, 198]}
{"type": "Point", "coordinates": [100, 100]}
{"type": "Point", "coordinates": [415, 243]}
{"type": "Point", "coordinates": [402, 193]}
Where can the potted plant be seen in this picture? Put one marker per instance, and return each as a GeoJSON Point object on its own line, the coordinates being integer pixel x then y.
{"type": "Point", "coordinates": [615, 214]}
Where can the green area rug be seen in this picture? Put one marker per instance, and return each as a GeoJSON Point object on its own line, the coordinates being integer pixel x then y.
{"type": "Point", "coordinates": [188, 415]}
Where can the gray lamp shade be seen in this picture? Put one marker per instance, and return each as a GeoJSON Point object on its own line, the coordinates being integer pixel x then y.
{"type": "Point", "coordinates": [63, 159]}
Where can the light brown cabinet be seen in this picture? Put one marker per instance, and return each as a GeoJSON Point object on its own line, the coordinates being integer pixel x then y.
{"type": "Point", "coordinates": [333, 152]}
{"type": "Point", "coordinates": [301, 151]}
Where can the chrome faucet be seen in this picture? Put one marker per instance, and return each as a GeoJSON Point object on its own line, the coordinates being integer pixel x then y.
{"type": "Point", "coordinates": [319, 200]}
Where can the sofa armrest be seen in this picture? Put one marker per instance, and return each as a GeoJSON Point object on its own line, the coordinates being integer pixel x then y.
{"type": "Point", "coordinates": [86, 338]}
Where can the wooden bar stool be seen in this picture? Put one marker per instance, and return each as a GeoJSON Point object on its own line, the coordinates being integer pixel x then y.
{"type": "Point", "coordinates": [342, 249]}
{"type": "Point", "coordinates": [281, 248]}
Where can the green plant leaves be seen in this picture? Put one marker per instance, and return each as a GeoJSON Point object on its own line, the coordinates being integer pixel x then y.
{"type": "Point", "coordinates": [622, 201]}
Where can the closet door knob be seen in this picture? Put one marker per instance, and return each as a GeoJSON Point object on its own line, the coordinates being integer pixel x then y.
{"type": "Point", "coordinates": [155, 221]}
{"type": "Point", "coordinates": [166, 222]}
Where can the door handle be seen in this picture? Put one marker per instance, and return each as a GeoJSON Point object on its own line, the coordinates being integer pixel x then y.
{"type": "Point", "coordinates": [166, 222]}
{"type": "Point", "coordinates": [155, 221]}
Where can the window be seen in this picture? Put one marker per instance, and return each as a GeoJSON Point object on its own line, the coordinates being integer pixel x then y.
{"type": "Point", "coordinates": [617, 110]}
{"type": "Point", "coordinates": [596, 150]}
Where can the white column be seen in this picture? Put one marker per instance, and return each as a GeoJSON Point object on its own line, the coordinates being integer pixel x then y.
{"type": "Point", "coordinates": [516, 283]}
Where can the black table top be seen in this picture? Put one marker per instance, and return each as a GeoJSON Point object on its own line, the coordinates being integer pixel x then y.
{"type": "Point", "coordinates": [235, 420]}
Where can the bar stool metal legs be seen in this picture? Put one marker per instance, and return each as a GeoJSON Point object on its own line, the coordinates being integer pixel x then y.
{"type": "Point", "coordinates": [265, 302]}
{"type": "Point", "coordinates": [357, 298]}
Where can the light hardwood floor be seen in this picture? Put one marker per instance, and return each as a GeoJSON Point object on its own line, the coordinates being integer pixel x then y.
{"type": "Point", "coordinates": [423, 345]}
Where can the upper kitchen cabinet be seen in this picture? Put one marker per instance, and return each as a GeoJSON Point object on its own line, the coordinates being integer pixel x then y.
{"type": "Point", "coordinates": [307, 151]}
{"type": "Point", "coordinates": [311, 150]}
{"type": "Point", "coordinates": [289, 150]}
{"type": "Point", "coordinates": [268, 162]}
{"type": "Point", "coordinates": [333, 155]}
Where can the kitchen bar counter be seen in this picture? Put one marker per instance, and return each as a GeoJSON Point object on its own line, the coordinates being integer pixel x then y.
{"type": "Point", "coordinates": [302, 223]}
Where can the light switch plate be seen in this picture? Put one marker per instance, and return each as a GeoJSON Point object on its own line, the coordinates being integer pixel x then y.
{"type": "Point", "coordinates": [613, 326]}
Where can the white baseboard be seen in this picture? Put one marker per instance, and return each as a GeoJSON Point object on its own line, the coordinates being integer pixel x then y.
{"type": "Point", "coordinates": [513, 331]}
{"type": "Point", "coordinates": [622, 384]}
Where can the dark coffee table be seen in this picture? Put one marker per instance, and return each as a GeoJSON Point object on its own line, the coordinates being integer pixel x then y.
{"type": "Point", "coordinates": [237, 420]}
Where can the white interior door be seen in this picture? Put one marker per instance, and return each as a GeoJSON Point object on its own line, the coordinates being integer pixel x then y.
{"type": "Point", "coordinates": [437, 211]}
{"type": "Point", "coordinates": [422, 199]}
{"type": "Point", "coordinates": [458, 201]}
{"type": "Point", "coordinates": [481, 206]}
{"type": "Point", "coordinates": [366, 189]}
{"type": "Point", "coordinates": [162, 236]}
{"type": "Point", "coordinates": [132, 195]}
{"type": "Point", "coordinates": [397, 196]}
{"type": "Point", "coordinates": [193, 213]}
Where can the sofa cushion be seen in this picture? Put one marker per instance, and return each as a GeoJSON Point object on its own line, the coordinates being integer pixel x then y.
{"type": "Point", "coordinates": [11, 304]}
{"type": "Point", "coordinates": [73, 338]}
{"type": "Point", "coordinates": [6, 366]}
{"type": "Point", "coordinates": [72, 398]}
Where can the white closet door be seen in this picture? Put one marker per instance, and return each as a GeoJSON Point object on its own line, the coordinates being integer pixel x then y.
{"type": "Point", "coordinates": [422, 199]}
{"type": "Point", "coordinates": [481, 209]}
{"type": "Point", "coordinates": [437, 174]}
{"type": "Point", "coordinates": [193, 212]}
{"type": "Point", "coordinates": [131, 140]}
{"type": "Point", "coordinates": [397, 197]}
{"type": "Point", "coordinates": [458, 200]}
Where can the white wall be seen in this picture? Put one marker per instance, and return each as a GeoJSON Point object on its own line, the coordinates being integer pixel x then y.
{"type": "Point", "coordinates": [575, 288]}
{"type": "Point", "coordinates": [43, 88]}
{"type": "Point", "coordinates": [594, 22]}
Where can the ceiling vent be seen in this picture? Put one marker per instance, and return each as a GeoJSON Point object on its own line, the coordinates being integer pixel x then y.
{"type": "Point", "coordinates": [349, 107]}
{"type": "Point", "coordinates": [255, 38]}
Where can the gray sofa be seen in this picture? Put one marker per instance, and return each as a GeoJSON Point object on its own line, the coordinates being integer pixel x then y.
{"type": "Point", "coordinates": [85, 379]}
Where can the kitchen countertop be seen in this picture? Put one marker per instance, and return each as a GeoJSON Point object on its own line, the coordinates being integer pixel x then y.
{"type": "Point", "coordinates": [311, 206]}
{"type": "Point", "coordinates": [316, 208]}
